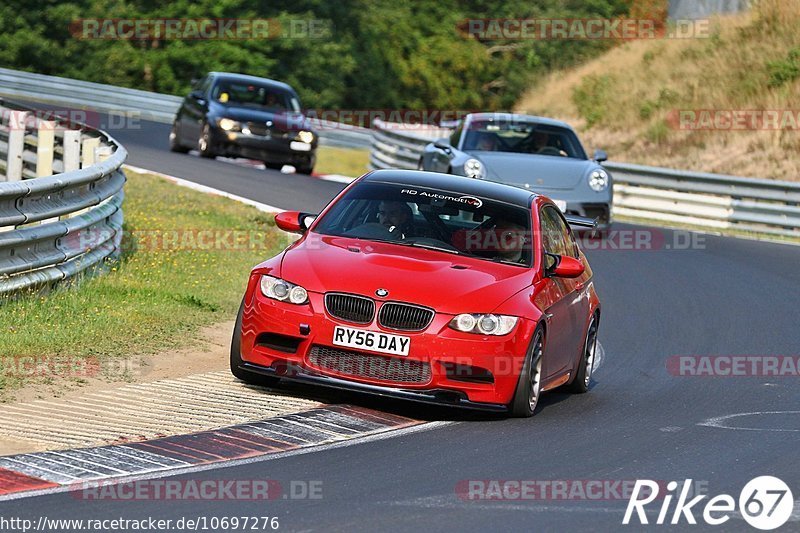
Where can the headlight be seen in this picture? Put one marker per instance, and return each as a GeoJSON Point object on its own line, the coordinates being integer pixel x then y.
{"type": "Point", "coordinates": [474, 169]}
{"type": "Point", "coordinates": [484, 324]}
{"type": "Point", "coordinates": [598, 180]}
{"type": "Point", "coordinates": [305, 136]}
{"type": "Point", "coordinates": [229, 125]}
{"type": "Point", "coordinates": [283, 291]}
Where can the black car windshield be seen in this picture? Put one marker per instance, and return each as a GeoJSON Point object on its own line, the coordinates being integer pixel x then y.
{"type": "Point", "coordinates": [445, 221]}
{"type": "Point", "coordinates": [256, 96]}
{"type": "Point", "coordinates": [522, 138]}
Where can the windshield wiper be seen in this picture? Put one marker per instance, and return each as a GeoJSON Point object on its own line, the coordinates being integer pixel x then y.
{"type": "Point", "coordinates": [411, 243]}
{"type": "Point", "coordinates": [432, 247]}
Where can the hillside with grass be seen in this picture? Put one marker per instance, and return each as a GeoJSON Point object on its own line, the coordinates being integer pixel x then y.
{"type": "Point", "coordinates": [629, 100]}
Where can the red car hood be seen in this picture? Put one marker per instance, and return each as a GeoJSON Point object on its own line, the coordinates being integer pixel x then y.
{"type": "Point", "coordinates": [447, 283]}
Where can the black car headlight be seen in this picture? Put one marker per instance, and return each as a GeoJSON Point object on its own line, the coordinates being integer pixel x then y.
{"type": "Point", "coordinates": [283, 291]}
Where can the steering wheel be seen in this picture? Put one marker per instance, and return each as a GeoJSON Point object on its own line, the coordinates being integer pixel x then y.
{"type": "Point", "coordinates": [549, 150]}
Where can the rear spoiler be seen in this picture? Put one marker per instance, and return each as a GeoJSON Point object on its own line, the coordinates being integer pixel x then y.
{"type": "Point", "coordinates": [583, 222]}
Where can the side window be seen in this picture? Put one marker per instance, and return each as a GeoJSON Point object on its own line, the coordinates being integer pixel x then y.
{"type": "Point", "coordinates": [552, 237]}
{"type": "Point", "coordinates": [204, 84]}
{"type": "Point", "coordinates": [553, 232]}
{"type": "Point", "coordinates": [562, 235]}
{"type": "Point", "coordinates": [198, 82]}
{"type": "Point", "coordinates": [455, 137]}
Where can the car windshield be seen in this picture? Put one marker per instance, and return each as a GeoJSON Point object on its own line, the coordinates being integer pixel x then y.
{"type": "Point", "coordinates": [254, 96]}
{"type": "Point", "coordinates": [522, 138]}
{"type": "Point", "coordinates": [445, 221]}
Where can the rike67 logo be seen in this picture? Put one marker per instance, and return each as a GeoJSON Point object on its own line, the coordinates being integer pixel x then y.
{"type": "Point", "coordinates": [765, 503]}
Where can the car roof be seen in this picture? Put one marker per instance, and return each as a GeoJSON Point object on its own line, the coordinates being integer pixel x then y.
{"type": "Point", "coordinates": [517, 117]}
{"type": "Point", "coordinates": [251, 79]}
{"type": "Point", "coordinates": [454, 184]}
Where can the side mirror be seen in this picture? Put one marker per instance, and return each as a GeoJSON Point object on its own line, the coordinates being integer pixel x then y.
{"type": "Point", "coordinates": [294, 221]}
{"type": "Point", "coordinates": [600, 156]}
{"type": "Point", "coordinates": [565, 267]}
{"type": "Point", "coordinates": [443, 146]}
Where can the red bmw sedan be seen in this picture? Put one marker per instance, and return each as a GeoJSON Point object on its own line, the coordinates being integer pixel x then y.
{"type": "Point", "coordinates": [428, 287]}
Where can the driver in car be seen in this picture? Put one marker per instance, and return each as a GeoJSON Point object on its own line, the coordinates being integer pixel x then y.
{"type": "Point", "coordinates": [540, 140]}
{"type": "Point", "coordinates": [487, 142]}
{"type": "Point", "coordinates": [511, 241]}
{"type": "Point", "coordinates": [396, 217]}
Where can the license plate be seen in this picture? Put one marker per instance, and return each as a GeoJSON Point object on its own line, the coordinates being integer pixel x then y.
{"type": "Point", "coordinates": [561, 204]}
{"type": "Point", "coordinates": [300, 146]}
{"type": "Point", "coordinates": [371, 340]}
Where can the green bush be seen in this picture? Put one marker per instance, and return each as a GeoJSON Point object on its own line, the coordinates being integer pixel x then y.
{"type": "Point", "coordinates": [658, 132]}
{"type": "Point", "coordinates": [591, 98]}
{"type": "Point", "coordinates": [784, 70]}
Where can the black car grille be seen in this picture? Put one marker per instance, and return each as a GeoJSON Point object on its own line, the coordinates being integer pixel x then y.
{"type": "Point", "coordinates": [261, 129]}
{"type": "Point", "coordinates": [350, 308]}
{"type": "Point", "coordinates": [365, 365]}
{"type": "Point", "coordinates": [258, 128]}
{"type": "Point", "coordinates": [405, 317]}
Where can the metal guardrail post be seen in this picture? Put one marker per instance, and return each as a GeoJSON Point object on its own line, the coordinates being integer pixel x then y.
{"type": "Point", "coordinates": [44, 148]}
{"type": "Point", "coordinates": [16, 144]}
{"type": "Point", "coordinates": [72, 150]}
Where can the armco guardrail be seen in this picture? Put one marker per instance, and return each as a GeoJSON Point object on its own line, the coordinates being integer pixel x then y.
{"type": "Point", "coordinates": [147, 105]}
{"type": "Point", "coordinates": [673, 196]}
{"type": "Point", "coordinates": [60, 199]}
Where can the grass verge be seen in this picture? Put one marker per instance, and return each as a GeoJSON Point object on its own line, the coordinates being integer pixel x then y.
{"type": "Point", "coordinates": [344, 161]}
{"type": "Point", "coordinates": [181, 270]}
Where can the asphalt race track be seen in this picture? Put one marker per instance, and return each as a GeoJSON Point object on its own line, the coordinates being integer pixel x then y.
{"type": "Point", "coordinates": [722, 296]}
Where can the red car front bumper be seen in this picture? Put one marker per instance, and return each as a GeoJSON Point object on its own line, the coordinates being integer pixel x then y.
{"type": "Point", "coordinates": [443, 366]}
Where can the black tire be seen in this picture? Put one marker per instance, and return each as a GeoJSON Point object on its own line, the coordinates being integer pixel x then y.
{"type": "Point", "coordinates": [236, 358]}
{"type": "Point", "coordinates": [583, 377]}
{"type": "Point", "coordinates": [308, 167]}
{"type": "Point", "coordinates": [204, 142]}
{"type": "Point", "coordinates": [175, 142]}
{"type": "Point", "coordinates": [529, 385]}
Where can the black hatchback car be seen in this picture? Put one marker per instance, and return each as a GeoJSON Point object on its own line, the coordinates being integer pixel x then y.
{"type": "Point", "coordinates": [235, 115]}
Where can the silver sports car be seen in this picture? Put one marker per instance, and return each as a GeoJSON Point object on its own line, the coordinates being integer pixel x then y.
{"type": "Point", "coordinates": [535, 153]}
